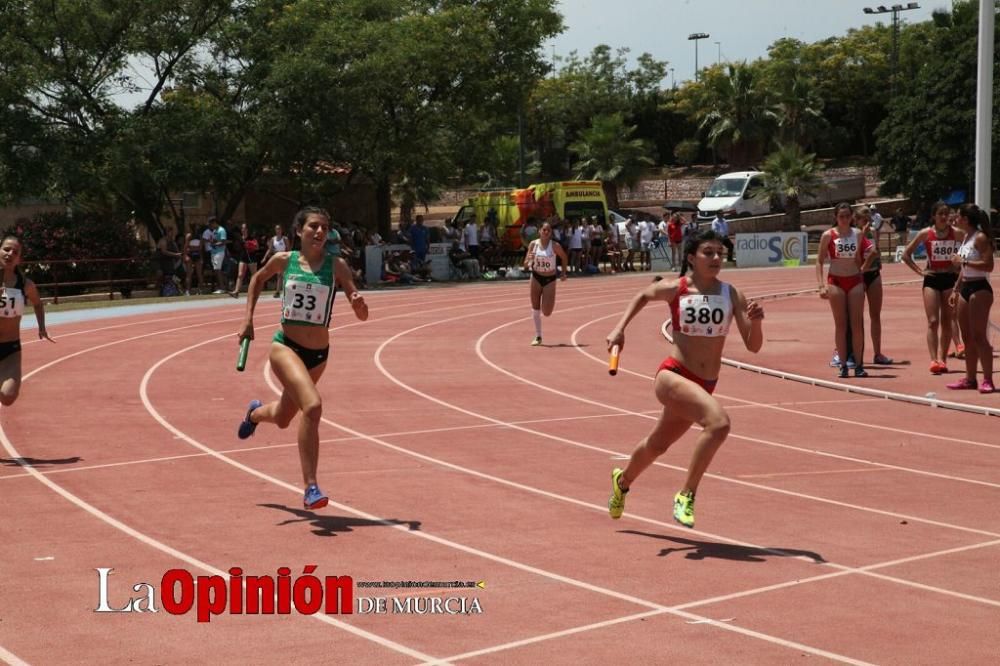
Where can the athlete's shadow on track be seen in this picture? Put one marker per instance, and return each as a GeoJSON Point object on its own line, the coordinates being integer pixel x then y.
{"type": "Point", "coordinates": [329, 526]}
{"type": "Point", "coordinates": [563, 344]}
{"type": "Point", "coordinates": [38, 462]}
{"type": "Point", "coordinates": [700, 550]}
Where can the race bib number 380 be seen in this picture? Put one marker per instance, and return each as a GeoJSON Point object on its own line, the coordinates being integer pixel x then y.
{"type": "Point", "coordinates": [305, 301]}
{"type": "Point", "coordinates": [704, 315]}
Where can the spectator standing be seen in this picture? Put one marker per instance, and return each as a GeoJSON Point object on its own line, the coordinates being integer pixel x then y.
{"type": "Point", "coordinates": [193, 260]}
{"type": "Point", "coordinates": [245, 251]}
{"type": "Point", "coordinates": [900, 223]}
{"type": "Point", "coordinates": [279, 242]}
{"type": "Point", "coordinates": [218, 254]}
{"type": "Point", "coordinates": [471, 235]}
{"type": "Point", "coordinates": [721, 226]}
{"type": "Point", "coordinates": [168, 256]}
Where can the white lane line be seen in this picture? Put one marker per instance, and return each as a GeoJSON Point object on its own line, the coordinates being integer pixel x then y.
{"type": "Point", "coordinates": [722, 598]}
{"type": "Point", "coordinates": [643, 415]}
{"type": "Point", "coordinates": [154, 543]}
{"type": "Point", "coordinates": [268, 447]}
{"type": "Point", "coordinates": [779, 475]}
{"type": "Point", "coordinates": [11, 658]}
{"type": "Point", "coordinates": [766, 442]}
{"type": "Point", "coordinates": [560, 634]}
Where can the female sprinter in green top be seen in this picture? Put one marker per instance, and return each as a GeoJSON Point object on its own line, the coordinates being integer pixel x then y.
{"type": "Point", "coordinates": [299, 349]}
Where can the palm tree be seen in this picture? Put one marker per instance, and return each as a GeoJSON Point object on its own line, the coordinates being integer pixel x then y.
{"type": "Point", "coordinates": [607, 153]}
{"type": "Point", "coordinates": [738, 119]}
{"type": "Point", "coordinates": [789, 174]}
{"type": "Point", "coordinates": [798, 110]}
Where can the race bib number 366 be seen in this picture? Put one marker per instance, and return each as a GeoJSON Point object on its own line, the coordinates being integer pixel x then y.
{"type": "Point", "coordinates": [704, 315]}
{"type": "Point", "coordinates": [846, 248]}
{"type": "Point", "coordinates": [305, 301]}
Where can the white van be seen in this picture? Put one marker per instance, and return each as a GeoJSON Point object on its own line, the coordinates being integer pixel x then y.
{"type": "Point", "coordinates": [733, 194]}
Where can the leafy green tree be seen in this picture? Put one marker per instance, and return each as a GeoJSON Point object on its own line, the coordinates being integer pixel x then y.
{"type": "Point", "coordinates": [607, 152]}
{"type": "Point", "coordinates": [66, 66]}
{"type": "Point", "coordinates": [505, 163]}
{"type": "Point", "coordinates": [561, 107]}
{"type": "Point", "coordinates": [926, 144]}
{"type": "Point", "coordinates": [738, 120]}
{"type": "Point", "coordinates": [391, 87]}
{"type": "Point", "coordinates": [790, 174]}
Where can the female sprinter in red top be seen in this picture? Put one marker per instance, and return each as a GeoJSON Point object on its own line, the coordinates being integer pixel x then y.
{"type": "Point", "coordinates": [15, 291]}
{"type": "Point", "coordinates": [541, 261]}
{"type": "Point", "coordinates": [701, 311]}
{"type": "Point", "coordinates": [846, 248]}
{"type": "Point", "coordinates": [975, 296]}
{"type": "Point", "coordinates": [301, 345]}
{"type": "Point", "coordinates": [941, 241]}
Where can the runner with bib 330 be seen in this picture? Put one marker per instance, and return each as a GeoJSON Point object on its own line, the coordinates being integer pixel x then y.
{"type": "Point", "coordinates": [540, 259]}
{"type": "Point", "coordinates": [702, 308]}
{"type": "Point", "coordinates": [299, 349]}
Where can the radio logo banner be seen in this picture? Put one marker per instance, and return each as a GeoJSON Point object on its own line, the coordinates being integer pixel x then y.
{"type": "Point", "coordinates": [771, 249]}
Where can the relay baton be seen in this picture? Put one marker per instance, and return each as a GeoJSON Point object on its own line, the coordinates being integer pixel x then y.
{"type": "Point", "coordinates": [241, 362]}
{"type": "Point", "coordinates": [613, 361]}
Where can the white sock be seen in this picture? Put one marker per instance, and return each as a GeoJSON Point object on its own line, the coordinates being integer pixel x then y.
{"type": "Point", "coordinates": [536, 316]}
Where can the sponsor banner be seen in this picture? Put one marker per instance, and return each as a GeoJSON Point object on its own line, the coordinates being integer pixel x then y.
{"type": "Point", "coordinates": [771, 249]}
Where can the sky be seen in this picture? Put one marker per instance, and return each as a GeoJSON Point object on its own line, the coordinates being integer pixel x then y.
{"type": "Point", "coordinates": [743, 28]}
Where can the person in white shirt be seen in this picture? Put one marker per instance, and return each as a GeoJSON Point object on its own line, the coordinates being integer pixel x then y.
{"type": "Point", "coordinates": [721, 227]}
{"type": "Point", "coordinates": [646, 229]}
{"type": "Point", "coordinates": [471, 235]}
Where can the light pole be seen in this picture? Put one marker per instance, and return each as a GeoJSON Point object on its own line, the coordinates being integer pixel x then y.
{"type": "Point", "coordinates": [718, 57]}
{"type": "Point", "coordinates": [673, 81]}
{"type": "Point", "coordinates": [894, 10]}
{"type": "Point", "coordinates": [695, 36]}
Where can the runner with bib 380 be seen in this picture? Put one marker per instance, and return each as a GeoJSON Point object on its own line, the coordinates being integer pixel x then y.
{"type": "Point", "coordinates": [702, 308]}
{"type": "Point", "coordinates": [299, 349]}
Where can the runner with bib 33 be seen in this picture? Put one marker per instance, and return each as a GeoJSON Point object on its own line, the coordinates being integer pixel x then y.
{"type": "Point", "coordinates": [299, 349]}
{"type": "Point", "coordinates": [702, 308]}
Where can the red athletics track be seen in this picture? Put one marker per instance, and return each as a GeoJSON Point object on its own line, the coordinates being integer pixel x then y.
{"type": "Point", "coordinates": [835, 526]}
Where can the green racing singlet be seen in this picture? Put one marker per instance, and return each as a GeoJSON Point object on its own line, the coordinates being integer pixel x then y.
{"type": "Point", "coordinates": [308, 296]}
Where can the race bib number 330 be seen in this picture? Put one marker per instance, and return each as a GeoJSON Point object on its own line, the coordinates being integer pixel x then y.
{"type": "Point", "coordinates": [704, 315]}
{"type": "Point", "coordinates": [305, 301]}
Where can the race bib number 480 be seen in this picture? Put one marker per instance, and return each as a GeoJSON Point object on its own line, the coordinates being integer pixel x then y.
{"type": "Point", "coordinates": [305, 301]}
{"type": "Point", "coordinates": [942, 250]}
{"type": "Point", "coordinates": [704, 315]}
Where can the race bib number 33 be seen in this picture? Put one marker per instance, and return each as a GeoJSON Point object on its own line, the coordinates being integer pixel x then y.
{"type": "Point", "coordinates": [702, 315]}
{"type": "Point", "coordinates": [305, 301]}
